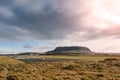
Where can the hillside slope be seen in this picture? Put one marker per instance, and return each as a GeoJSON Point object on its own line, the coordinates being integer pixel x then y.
{"type": "Point", "coordinates": [70, 50]}
{"type": "Point", "coordinates": [8, 60]}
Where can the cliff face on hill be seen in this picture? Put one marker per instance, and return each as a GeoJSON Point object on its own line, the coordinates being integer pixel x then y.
{"type": "Point", "coordinates": [70, 50]}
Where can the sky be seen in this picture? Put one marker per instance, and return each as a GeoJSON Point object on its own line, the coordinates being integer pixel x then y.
{"type": "Point", "coordinates": [42, 25]}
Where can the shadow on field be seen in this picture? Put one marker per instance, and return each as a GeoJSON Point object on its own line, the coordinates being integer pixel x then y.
{"type": "Point", "coordinates": [43, 60]}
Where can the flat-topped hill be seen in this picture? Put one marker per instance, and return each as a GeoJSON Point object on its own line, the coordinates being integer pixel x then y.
{"type": "Point", "coordinates": [69, 50]}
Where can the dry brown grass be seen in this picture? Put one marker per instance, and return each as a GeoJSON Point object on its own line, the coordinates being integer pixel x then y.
{"type": "Point", "coordinates": [107, 69]}
{"type": "Point", "coordinates": [8, 60]}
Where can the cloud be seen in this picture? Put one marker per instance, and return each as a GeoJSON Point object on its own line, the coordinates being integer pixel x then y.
{"type": "Point", "coordinates": [56, 19]}
{"type": "Point", "coordinates": [112, 49]}
{"type": "Point", "coordinates": [42, 21]}
{"type": "Point", "coordinates": [8, 51]}
{"type": "Point", "coordinates": [12, 32]}
{"type": "Point", "coordinates": [27, 46]}
{"type": "Point", "coordinates": [37, 48]}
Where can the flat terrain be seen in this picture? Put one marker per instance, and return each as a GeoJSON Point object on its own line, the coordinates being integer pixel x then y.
{"type": "Point", "coordinates": [51, 58]}
{"type": "Point", "coordinates": [63, 67]}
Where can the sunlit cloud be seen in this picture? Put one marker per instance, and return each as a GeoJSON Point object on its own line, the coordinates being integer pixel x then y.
{"type": "Point", "coordinates": [59, 20]}
{"type": "Point", "coordinates": [46, 19]}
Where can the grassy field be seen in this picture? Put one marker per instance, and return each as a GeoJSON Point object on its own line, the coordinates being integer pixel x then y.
{"type": "Point", "coordinates": [8, 60]}
{"type": "Point", "coordinates": [78, 57]}
{"type": "Point", "coordinates": [80, 68]}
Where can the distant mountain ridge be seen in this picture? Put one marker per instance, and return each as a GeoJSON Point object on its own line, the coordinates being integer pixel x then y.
{"type": "Point", "coordinates": [63, 50]}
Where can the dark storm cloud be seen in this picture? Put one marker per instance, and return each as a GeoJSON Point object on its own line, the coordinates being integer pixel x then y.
{"type": "Point", "coordinates": [40, 21]}
{"type": "Point", "coordinates": [6, 2]}
{"type": "Point", "coordinates": [43, 19]}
